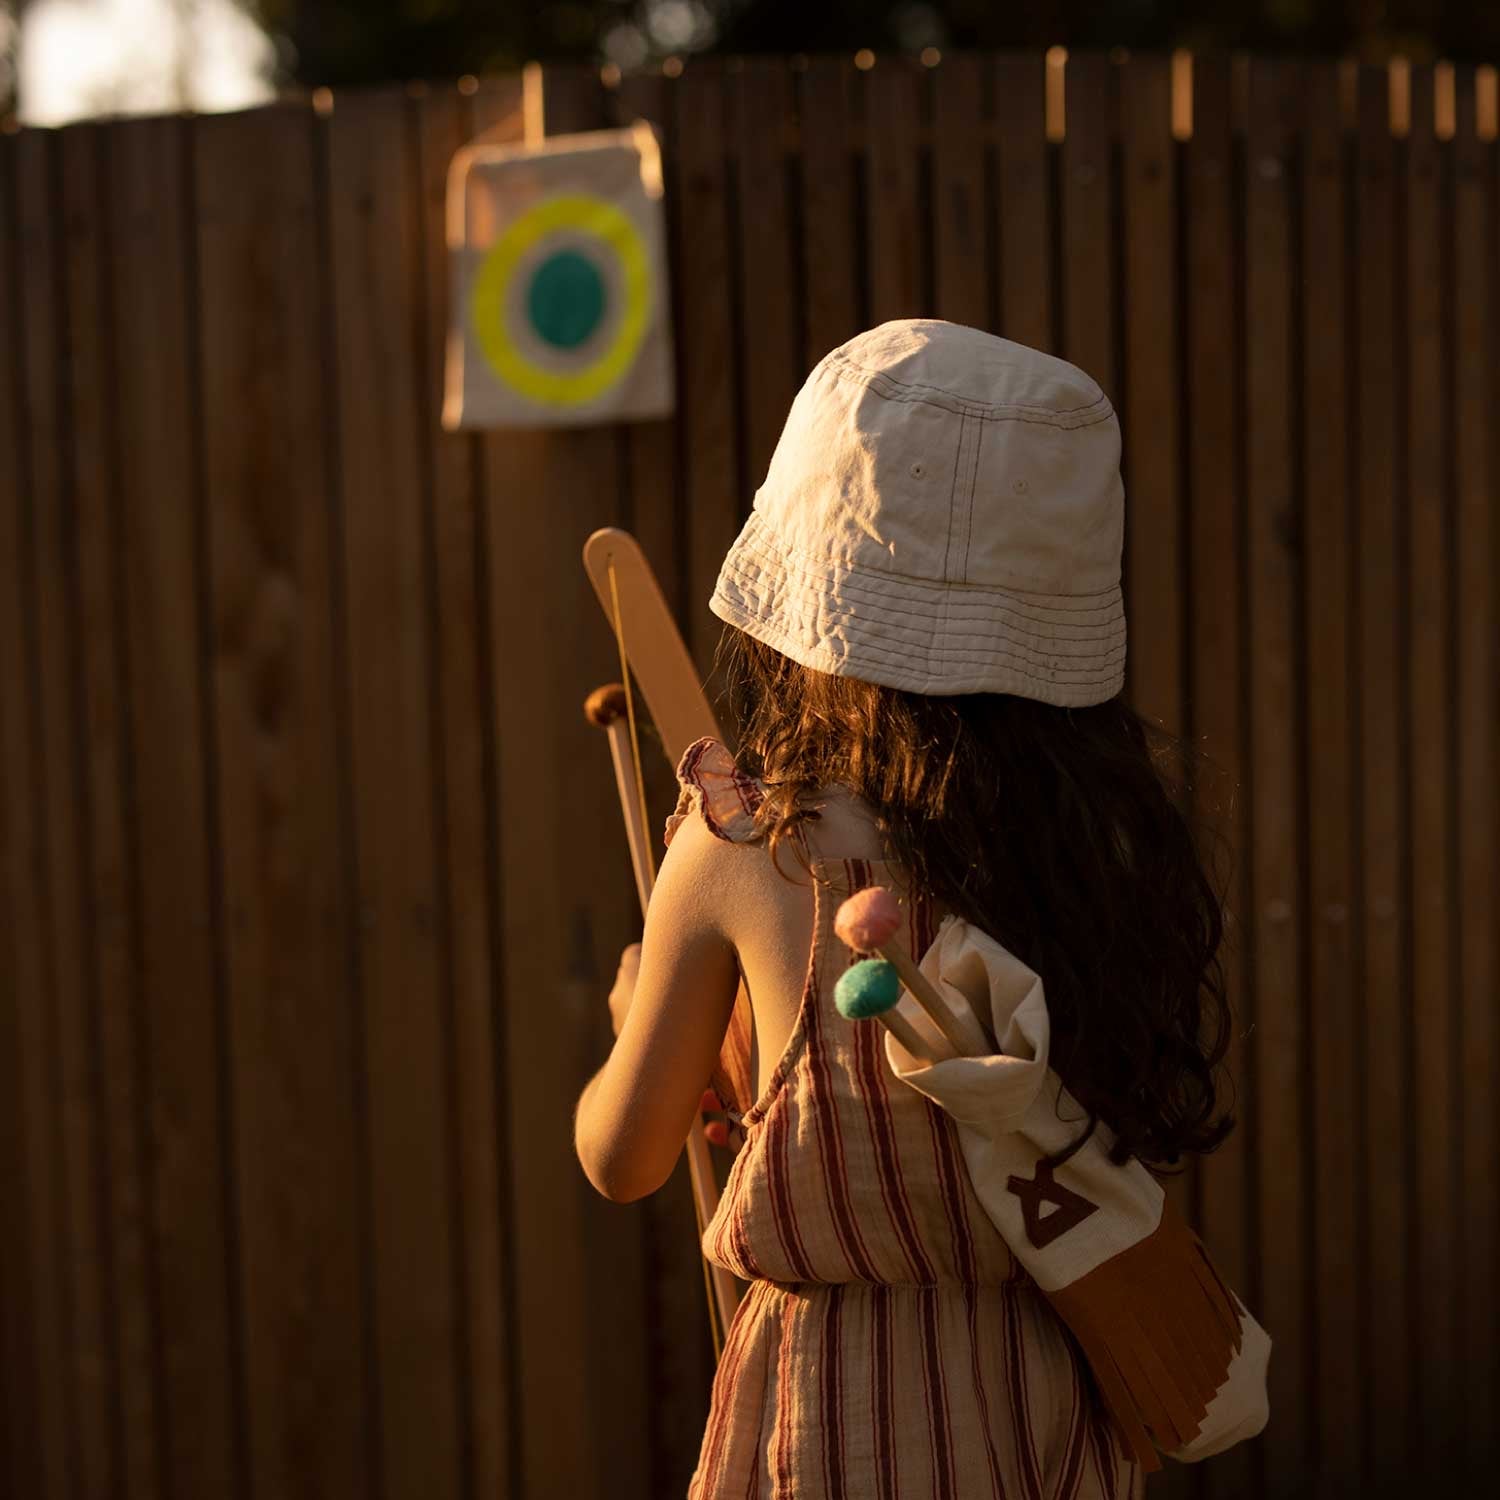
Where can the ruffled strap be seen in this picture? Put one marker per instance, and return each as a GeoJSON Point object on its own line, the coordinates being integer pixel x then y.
{"type": "Point", "coordinates": [711, 782]}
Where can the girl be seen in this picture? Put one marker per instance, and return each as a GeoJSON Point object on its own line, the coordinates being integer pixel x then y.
{"type": "Point", "coordinates": [925, 646]}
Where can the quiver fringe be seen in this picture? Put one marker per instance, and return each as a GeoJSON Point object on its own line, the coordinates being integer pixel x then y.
{"type": "Point", "coordinates": [1160, 1331]}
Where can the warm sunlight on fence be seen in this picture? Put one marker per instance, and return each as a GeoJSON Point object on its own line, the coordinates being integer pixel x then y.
{"type": "Point", "coordinates": [312, 890]}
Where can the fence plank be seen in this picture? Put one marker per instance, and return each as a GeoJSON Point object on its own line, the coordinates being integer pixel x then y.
{"type": "Point", "coordinates": [1088, 196]}
{"type": "Point", "coordinates": [1275, 586]}
{"type": "Point", "coordinates": [761, 118]}
{"type": "Point", "coordinates": [1334, 1021]}
{"type": "Point", "coordinates": [406, 1078]}
{"type": "Point", "coordinates": [1382, 848]}
{"type": "Point", "coordinates": [21, 1434]}
{"type": "Point", "coordinates": [679, 1344]}
{"type": "Point", "coordinates": [109, 855]}
{"type": "Point", "coordinates": [21, 1440]}
{"type": "Point", "coordinates": [825, 104]}
{"type": "Point", "coordinates": [1151, 396]}
{"type": "Point", "coordinates": [707, 393]}
{"type": "Point", "coordinates": [293, 1033]}
{"type": "Point", "coordinates": [656, 478]}
{"type": "Point", "coordinates": [898, 246]}
{"type": "Point", "coordinates": [468, 871]}
{"type": "Point", "coordinates": [1430, 782]}
{"type": "Point", "coordinates": [656, 468]}
{"type": "Point", "coordinates": [550, 1443]}
{"type": "Point", "coordinates": [961, 210]}
{"type": "Point", "coordinates": [606, 912]}
{"type": "Point", "coordinates": [1475, 383]}
{"type": "Point", "coordinates": [158, 478]}
{"type": "Point", "coordinates": [39, 1383]}
{"type": "Point", "coordinates": [580, 1344]}
{"type": "Point", "coordinates": [1217, 604]}
{"type": "Point", "coordinates": [1023, 172]}
{"type": "Point", "coordinates": [53, 565]}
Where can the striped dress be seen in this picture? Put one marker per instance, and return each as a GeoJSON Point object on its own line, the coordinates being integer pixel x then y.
{"type": "Point", "coordinates": [889, 1345]}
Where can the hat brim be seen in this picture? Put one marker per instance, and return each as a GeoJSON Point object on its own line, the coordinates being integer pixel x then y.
{"type": "Point", "coordinates": [920, 636]}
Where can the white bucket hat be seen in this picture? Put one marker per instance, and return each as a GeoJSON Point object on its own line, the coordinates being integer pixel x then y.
{"type": "Point", "coordinates": [944, 514]}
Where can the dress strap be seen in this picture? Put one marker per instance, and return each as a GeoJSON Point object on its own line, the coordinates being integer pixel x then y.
{"type": "Point", "coordinates": [710, 781]}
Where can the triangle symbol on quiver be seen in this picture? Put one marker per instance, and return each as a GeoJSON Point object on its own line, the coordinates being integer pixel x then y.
{"type": "Point", "coordinates": [1068, 1208]}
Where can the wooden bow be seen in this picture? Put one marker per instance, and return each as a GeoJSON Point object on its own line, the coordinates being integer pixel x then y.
{"type": "Point", "coordinates": [652, 648]}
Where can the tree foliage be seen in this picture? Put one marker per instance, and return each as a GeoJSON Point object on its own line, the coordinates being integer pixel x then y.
{"type": "Point", "coordinates": [9, 40]}
{"type": "Point", "coordinates": [357, 41]}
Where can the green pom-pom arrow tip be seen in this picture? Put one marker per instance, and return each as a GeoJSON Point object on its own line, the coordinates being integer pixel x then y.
{"type": "Point", "coordinates": [868, 921]}
{"type": "Point", "coordinates": [871, 990]}
{"type": "Point", "coordinates": [868, 988]}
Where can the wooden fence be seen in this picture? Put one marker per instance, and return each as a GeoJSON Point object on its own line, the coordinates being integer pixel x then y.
{"type": "Point", "coordinates": [311, 882]}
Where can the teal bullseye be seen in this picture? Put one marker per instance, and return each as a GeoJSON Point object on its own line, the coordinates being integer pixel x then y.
{"type": "Point", "coordinates": [565, 301]}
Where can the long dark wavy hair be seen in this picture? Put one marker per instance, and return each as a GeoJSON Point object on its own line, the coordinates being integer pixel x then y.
{"type": "Point", "coordinates": [1060, 832]}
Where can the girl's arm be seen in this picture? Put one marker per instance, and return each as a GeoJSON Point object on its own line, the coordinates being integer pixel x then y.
{"type": "Point", "coordinates": [635, 1114]}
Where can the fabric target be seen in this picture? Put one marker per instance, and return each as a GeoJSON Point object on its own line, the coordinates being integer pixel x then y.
{"type": "Point", "coordinates": [560, 309]}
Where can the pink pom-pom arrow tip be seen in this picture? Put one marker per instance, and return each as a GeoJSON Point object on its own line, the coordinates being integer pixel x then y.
{"type": "Point", "coordinates": [868, 920]}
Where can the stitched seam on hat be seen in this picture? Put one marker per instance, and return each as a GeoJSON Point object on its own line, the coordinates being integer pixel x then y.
{"type": "Point", "coordinates": [1108, 666]}
{"type": "Point", "coordinates": [989, 589]}
{"type": "Point", "coordinates": [995, 680]}
{"type": "Point", "coordinates": [845, 363]}
{"type": "Point", "coordinates": [1105, 620]}
{"type": "Point", "coordinates": [1036, 642]}
{"type": "Point", "coordinates": [963, 429]}
{"type": "Point", "coordinates": [1039, 664]}
{"type": "Point", "coordinates": [1111, 647]}
{"type": "Point", "coordinates": [1040, 647]}
{"type": "Point", "coordinates": [792, 550]}
{"type": "Point", "coordinates": [1104, 631]}
{"type": "Point", "coordinates": [895, 390]}
{"type": "Point", "coordinates": [934, 638]}
{"type": "Point", "coordinates": [962, 407]}
{"type": "Point", "coordinates": [973, 485]}
{"type": "Point", "coordinates": [992, 625]}
{"type": "Point", "coordinates": [853, 585]}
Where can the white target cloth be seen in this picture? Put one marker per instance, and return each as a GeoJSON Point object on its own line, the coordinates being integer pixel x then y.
{"type": "Point", "coordinates": [560, 308]}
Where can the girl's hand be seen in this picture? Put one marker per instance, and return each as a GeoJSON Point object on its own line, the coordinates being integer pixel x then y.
{"type": "Point", "coordinates": [718, 1128]}
{"type": "Point", "coordinates": [624, 987]}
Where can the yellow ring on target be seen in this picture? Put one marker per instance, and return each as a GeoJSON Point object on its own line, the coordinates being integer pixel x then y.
{"type": "Point", "coordinates": [603, 221]}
